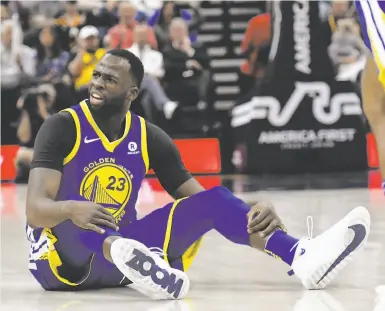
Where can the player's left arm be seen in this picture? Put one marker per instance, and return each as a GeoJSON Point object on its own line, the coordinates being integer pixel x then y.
{"type": "Point", "coordinates": [167, 164]}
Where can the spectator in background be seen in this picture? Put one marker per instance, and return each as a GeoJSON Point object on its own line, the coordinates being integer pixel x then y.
{"type": "Point", "coordinates": [4, 13]}
{"type": "Point", "coordinates": [169, 11]}
{"type": "Point", "coordinates": [112, 6]}
{"type": "Point", "coordinates": [122, 35]}
{"type": "Point", "coordinates": [187, 67]}
{"type": "Point", "coordinates": [339, 9]}
{"type": "Point", "coordinates": [154, 98]}
{"type": "Point", "coordinates": [83, 61]}
{"type": "Point", "coordinates": [104, 17]}
{"type": "Point", "coordinates": [48, 9]}
{"type": "Point", "coordinates": [35, 107]}
{"type": "Point", "coordinates": [347, 50]}
{"type": "Point", "coordinates": [69, 22]}
{"type": "Point", "coordinates": [17, 68]}
{"type": "Point", "coordinates": [255, 47]}
{"type": "Point", "coordinates": [152, 60]}
{"type": "Point", "coordinates": [71, 17]}
{"type": "Point", "coordinates": [51, 59]}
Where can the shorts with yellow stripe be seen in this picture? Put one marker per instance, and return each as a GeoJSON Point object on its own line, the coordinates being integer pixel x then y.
{"type": "Point", "coordinates": [59, 261]}
{"type": "Point", "coordinates": [372, 22]}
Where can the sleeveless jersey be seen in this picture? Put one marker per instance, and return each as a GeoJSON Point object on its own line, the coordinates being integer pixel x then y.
{"type": "Point", "coordinates": [372, 22]}
{"type": "Point", "coordinates": [104, 172]}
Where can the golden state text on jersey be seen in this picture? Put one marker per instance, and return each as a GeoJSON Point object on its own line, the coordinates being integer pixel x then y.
{"type": "Point", "coordinates": [104, 172]}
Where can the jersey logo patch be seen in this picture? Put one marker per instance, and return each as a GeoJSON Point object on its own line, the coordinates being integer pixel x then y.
{"type": "Point", "coordinates": [87, 141]}
{"type": "Point", "coordinates": [132, 148]}
{"type": "Point", "coordinates": [108, 185]}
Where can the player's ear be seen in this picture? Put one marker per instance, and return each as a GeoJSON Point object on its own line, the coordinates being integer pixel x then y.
{"type": "Point", "coordinates": [132, 93]}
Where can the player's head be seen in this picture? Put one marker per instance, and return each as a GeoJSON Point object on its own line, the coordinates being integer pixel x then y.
{"type": "Point", "coordinates": [115, 81]}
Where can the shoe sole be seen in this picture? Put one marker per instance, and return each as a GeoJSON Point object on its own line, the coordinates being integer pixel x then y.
{"type": "Point", "coordinates": [125, 250]}
{"type": "Point", "coordinates": [318, 280]}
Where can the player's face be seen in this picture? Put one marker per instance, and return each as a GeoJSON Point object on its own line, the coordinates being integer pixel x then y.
{"type": "Point", "coordinates": [112, 84]}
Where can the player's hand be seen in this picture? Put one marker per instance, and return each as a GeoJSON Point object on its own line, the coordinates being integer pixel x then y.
{"type": "Point", "coordinates": [90, 216]}
{"type": "Point", "coordinates": [263, 218]}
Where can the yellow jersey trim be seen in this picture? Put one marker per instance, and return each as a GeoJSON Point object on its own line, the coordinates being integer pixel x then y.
{"type": "Point", "coordinates": [189, 255]}
{"type": "Point", "coordinates": [54, 260]}
{"type": "Point", "coordinates": [144, 143]}
{"type": "Point", "coordinates": [168, 230]}
{"type": "Point", "coordinates": [109, 146]}
{"type": "Point", "coordinates": [75, 148]}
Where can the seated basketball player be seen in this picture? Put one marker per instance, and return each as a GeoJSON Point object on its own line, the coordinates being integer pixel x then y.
{"type": "Point", "coordinates": [371, 15]}
{"type": "Point", "coordinates": [88, 165]}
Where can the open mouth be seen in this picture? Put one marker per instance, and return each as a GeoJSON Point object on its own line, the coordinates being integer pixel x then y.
{"type": "Point", "coordinates": [96, 99]}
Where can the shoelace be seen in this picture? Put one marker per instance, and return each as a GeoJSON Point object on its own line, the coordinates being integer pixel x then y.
{"type": "Point", "coordinates": [157, 251]}
{"type": "Point", "coordinates": [310, 227]}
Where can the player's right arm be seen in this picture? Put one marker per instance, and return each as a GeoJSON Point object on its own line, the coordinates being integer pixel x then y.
{"type": "Point", "coordinates": [53, 143]}
{"type": "Point", "coordinates": [373, 97]}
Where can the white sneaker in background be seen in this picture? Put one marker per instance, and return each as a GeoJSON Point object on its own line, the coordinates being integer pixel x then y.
{"type": "Point", "coordinates": [380, 299]}
{"type": "Point", "coordinates": [169, 109]}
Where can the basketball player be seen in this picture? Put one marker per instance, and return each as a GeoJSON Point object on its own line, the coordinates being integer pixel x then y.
{"type": "Point", "coordinates": [371, 16]}
{"type": "Point", "coordinates": [88, 165]}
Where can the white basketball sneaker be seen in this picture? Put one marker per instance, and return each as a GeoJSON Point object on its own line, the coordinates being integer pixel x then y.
{"type": "Point", "coordinates": [317, 261]}
{"type": "Point", "coordinates": [150, 274]}
{"type": "Point", "coordinates": [380, 299]}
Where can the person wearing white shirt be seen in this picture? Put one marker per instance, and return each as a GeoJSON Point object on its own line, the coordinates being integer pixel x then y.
{"type": "Point", "coordinates": [17, 61]}
{"type": "Point", "coordinates": [152, 61]}
{"type": "Point", "coordinates": [17, 66]}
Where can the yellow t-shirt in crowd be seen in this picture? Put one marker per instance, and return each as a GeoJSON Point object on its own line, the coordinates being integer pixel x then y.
{"type": "Point", "coordinates": [89, 64]}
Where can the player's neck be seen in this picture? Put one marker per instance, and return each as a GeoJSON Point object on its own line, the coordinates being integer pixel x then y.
{"type": "Point", "coordinates": [112, 125]}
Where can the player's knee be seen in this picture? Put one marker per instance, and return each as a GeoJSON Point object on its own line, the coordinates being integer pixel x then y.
{"type": "Point", "coordinates": [220, 192]}
{"type": "Point", "coordinates": [221, 195]}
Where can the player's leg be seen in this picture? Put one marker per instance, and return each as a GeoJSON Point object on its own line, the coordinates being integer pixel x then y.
{"type": "Point", "coordinates": [61, 260]}
{"type": "Point", "coordinates": [176, 228]}
{"type": "Point", "coordinates": [373, 95]}
{"type": "Point", "coordinates": [370, 14]}
{"type": "Point", "coordinates": [115, 254]}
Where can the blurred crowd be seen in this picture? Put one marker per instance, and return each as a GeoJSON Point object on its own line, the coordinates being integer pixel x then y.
{"type": "Point", "coordinates": [50, 48]}
{"type": "Point", "coordinates": [340, 30]}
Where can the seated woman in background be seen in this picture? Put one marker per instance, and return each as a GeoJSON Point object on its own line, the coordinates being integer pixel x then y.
{"type": "Point", "coordinates": [51, 59]}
